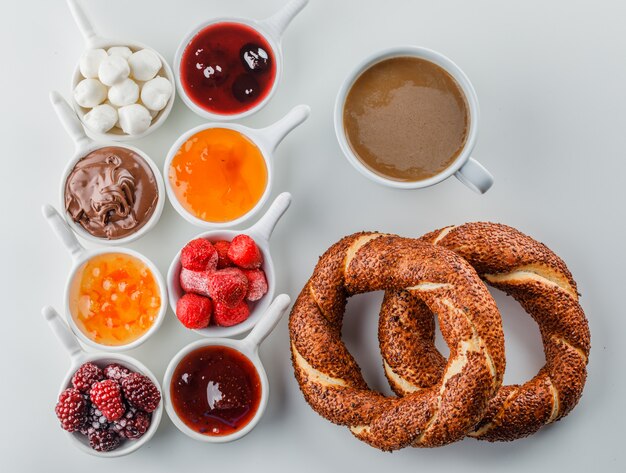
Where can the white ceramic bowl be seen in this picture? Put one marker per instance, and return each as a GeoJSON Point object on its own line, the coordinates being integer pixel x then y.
{"type": "Point", "coordinates": [260, 233]}
{"type": "Point", "coordinates": [266, 139]}
{"type": "Point", "coordinates": [465, 168]}
{"type": "Point", "coordinates": [83, 146]}
{"type": "Point", "coordinates": [80, 256]}
{"type": "Point", "coordinates": [77, 358]}
{"type": "Point", "coordinates": [94, 41]}
{"type": "Point", "coordinates": [271, 29]}
{"type": "Point", "coordinates": [249, 347]}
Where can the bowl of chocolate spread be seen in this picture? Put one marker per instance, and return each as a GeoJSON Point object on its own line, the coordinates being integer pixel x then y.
{"type": "Point", "coordinates": [111, 194]}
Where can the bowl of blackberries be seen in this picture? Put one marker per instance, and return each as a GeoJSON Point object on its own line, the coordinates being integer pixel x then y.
{"type": "Point", "coordinates": [110, 406]}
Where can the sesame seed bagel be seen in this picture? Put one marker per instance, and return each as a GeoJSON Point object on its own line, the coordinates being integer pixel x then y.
{"type": "Point", "coordinates": [539, 280]}
{"type": "Point", "coordinates": [445, 284]}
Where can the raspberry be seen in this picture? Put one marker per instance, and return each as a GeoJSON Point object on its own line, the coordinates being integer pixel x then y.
{"type": "Point", "coordinates": [199, 255]}
{"type": "Point", "coordinates": [140, 392]}
{"type": "Point", "coordinates": [104, 440]}
{"type": "Point", "coordinates": [244, 252]}
{"type": "Point", "coordinates": [95, 421]}
{"type": "Point", "coordinates": [222, 252]}
{"type": "Point", "coordinates": [71, 410]}
{"type": "Point", "coordinates": [133, 424]}
{"type": "Point", "coordinates": [194, 311]}
{"type": "Point", "coordinates": [194, 281]}
{"type": "Point", "coordinates": [85, 376]}
{"type": "Point", "coordinates": [107, 397]}
{"type": "Point", "coordinates": [228, 286]}
{"type": "Point", "coordinates": [116, 372]}
{"type": "Point", "coordinates": [227, 316]}
{"type": "Point", "coordinates": [257, 284]}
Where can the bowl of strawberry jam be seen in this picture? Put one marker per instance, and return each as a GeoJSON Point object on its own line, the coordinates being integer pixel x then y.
{"type": "Point", "coordinates": [229, 68]}
{"type": "Point", "coordinates": [216, 390]}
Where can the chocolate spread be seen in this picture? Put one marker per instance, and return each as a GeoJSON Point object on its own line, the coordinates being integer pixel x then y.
{"type": "Point", "coordinates": [111, 192]}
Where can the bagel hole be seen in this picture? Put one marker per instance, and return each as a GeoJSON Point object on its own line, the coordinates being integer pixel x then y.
{"type": "Point", "coordinates": [522, 340]}
{"type": "Point", "coordinates": [360, 334]}
{"type": "Point", "coordinates": [523, 344]}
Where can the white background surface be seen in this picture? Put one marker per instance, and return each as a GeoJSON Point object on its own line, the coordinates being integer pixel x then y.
{"type": "Point", "coordinates": [550, 78]}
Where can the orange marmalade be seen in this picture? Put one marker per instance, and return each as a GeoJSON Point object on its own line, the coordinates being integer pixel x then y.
{"type": "Point", "coordinates": [218, 175]}
{"type": "Point", "coordinates": [114, 298]}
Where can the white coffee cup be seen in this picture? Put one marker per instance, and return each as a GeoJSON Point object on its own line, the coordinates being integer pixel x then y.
{"type": "Point", "coordinates": [466, 169]}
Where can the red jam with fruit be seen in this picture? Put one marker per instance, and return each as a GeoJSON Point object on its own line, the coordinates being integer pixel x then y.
{"type": "Point", "coordinates": [215, 390]}
{"type": "Point", "coordinates": [227, 68]}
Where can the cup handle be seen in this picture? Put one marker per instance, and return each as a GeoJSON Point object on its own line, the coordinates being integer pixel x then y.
{"type": "Point", "coordinates": [475, 176]}
{"type": "Point", "coordinates": [82, 21]}
{"type": "Point", "coordinates": [62, 231]}
{"type": "Point", "coordinates": [62, 331]}
{"type": "Point", "coordinates": [276, 132]}
{"type": "Point", "coordinates": [69, 120]}
{"type": "Point", "coordinates": [268, 321]}
{"type": "Point", "coordinates": [278, 22]}
{"type": "Point", "coordinates": [264, 228]}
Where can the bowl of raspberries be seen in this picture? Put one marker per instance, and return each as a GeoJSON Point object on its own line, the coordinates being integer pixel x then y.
{"type": "Point", "coordinates": [221, 282]}
{"type": "Point", "coordinates": [110, 406]}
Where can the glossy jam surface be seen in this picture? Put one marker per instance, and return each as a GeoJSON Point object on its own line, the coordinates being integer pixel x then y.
{"type": "Point", "coordinates": [227, 68]}
{"type": "Point", "coordinates": [114, 298]}
{"type": "Point", "coordinates": [406, 119]}
{"type": "Point", "coordinates": [215, 390]}
{"type": "Point", "coordinates": [218, 175]}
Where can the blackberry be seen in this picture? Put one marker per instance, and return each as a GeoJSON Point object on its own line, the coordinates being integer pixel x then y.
{"type": "Point", "coordinates": [71, 410]}
{"type": "Point", "coordinates": [107, 397]}
{"type": "Point", "coordinates": [140, 392]}
{"type": "Point", "coordinates": [104, 440]}
{"type": "Point", "coordinates": [116, 372]}
{"type": "Point", "coordinates": [86, 376]}
{"type": "Point", "coordinates": [96, 420]}
{"type": "Point", "coordinates": [133, 424]}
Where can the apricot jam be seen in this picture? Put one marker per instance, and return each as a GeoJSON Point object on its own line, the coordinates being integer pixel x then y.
{"type": "Point", "coordinates": [114, 298]}
{"type": "Point", "coordinates": [215, 390]}
{"type": "Point", "coordinates": [218, 175]}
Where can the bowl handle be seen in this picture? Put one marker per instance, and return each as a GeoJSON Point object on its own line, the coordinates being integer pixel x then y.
{"type": "Point", "coordinates": [278, 22]}
{"type": "Point", "coordinates": [62, 331]}
{"type": "Point", "coordinates": [69, 120]}
{"type": "Point", "coordinates": [268, 321]}
{"type": "Point", "coordinates": [276, 132]}
{"type": "Point", "coordinates": [264, 228]}
{"type": "Point", "coordinates": [62, 231]}
{"type": "Point", "coordinates": [82, 21]}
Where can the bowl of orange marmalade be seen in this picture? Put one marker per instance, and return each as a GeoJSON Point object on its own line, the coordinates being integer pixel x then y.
{"type": "Point", "coordinates": [115, 299]}
{"type": "Point", "coordinates": [219, 175]}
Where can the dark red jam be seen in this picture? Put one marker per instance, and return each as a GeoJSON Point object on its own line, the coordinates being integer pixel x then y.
{"type": "Point", "coordinates": [227, 68]}
{"type": "Point", "coordinates": [215, 390]}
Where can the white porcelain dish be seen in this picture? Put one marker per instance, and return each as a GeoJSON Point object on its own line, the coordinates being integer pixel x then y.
{"type": "Point", "coordinates": [466, 169]}
{"type": "Point", "coordinates": [271, 29]}
{"type": "Point", "coordinates": [95, 41]}
{"type": "Point", "coordinates": [249, 347]}
{"type": "Point", "coordinates": [266, 139]}
{"type": "Point", "coordinates": [78, 357]}
{"type": "Point", "coordinates": [83, 145]}
{"type": "Point", "coordinates": [80, 256]}
{"type": "Point", "coordinates": [261, 233]}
